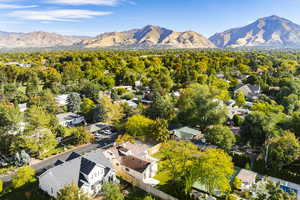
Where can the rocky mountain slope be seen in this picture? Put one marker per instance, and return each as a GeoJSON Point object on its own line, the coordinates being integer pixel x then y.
{"type": "Point", "coordinates": [35, 40]}
{"type": "Point", "coordinates": [149, 36]}
{"type": "Point", "coordinates": [270, 31]}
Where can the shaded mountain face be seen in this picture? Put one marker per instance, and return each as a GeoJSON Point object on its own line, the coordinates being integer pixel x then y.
{"type": "Point", "coordinates": [35, 40]}
{"type": "Point", "coordinates": [270, 31]}
{"type": "Point", "coordinates": [149, 36]}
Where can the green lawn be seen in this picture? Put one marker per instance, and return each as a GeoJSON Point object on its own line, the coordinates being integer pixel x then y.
{"type": "Point", "coordinates": [30, 191]}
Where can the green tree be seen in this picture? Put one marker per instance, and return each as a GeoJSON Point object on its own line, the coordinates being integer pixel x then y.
{"type": "Point", "coordinates": [148, 198]}
{"type": "Point", "coordinates": [214, 170]}
{"type": "Point", "coordinates": [37, 117]}
{"type": "Point", "coordinates": [74, 102]}
{"type": "Point", "coordinates": [240, 99]}
{"type": "Point", "coordinates": [237, 183]}
{"type": "Point", "coordinates": [81, 136]}
{"type": "Point", "coordinates": [87, 107]}
{"type": "Point", "coordinates": [138, 126]}
{"type": "Point", "coordinates": [24, 175]}
{"type": "Point", "coordinates": [198, 106]}
{"type": "Point", "coordinates": [109, 112]}
{"type": "Point", "coordinates": [72, 192]}
{"type": "Point", "coordinates": [283, 150]}
{"type": "Point", "coordinates": [177, 158]}
{"type": "Point", "coordinates": [37, 141]}
{"type": "Point", "coordinates": [221, 136]}
{"type": "Point", "coordinates": [1, 186]}
{"type": "Point", "coordinates": [162, 107]}
{"type": "Point", "coordinates": [269, 190]}
{"type": "Point", "coordinates": [159, 130]}
{"type": "Point", "coordinates": [258, 126]}
{"type": "Point", "coordinates": [112, 191]}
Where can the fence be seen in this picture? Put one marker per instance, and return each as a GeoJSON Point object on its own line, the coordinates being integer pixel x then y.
{"type": "Point", "coordinates": [147, 188]}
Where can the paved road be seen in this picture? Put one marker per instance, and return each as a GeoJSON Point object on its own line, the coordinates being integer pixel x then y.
{"type": "Point", "coordinates": [49, 162]}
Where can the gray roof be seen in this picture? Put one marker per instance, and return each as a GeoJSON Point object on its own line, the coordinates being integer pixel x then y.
{"type": "Point", "coordinates": [97, 127]}
{"type": "Point", "coordinates": [186, 133]}
{"type": "Point", "coordinates": [76, 168]}
{"type": "Point", "coordinates": [67, 116]}
{"type": "Point", "coordinates": [248, 90]}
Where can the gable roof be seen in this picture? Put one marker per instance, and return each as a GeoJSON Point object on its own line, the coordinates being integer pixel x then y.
{"type": "Point", "coordinates": [248, 89]}
{"type": "Point", "coordinates": [75, 168]}
{"type": "Point", "coordinates": [72, 156]}
{"type": "Point", "coordinates": [186, 133]}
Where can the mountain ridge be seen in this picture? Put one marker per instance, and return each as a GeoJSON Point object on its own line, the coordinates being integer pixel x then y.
{"type": "Point", "coordinates": [271, 31]}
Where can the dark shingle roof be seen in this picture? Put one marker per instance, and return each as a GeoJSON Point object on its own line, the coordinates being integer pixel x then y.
{"type": "Point", "coordinates": [58, 162]}
{"type": "Point", "coordinates": [86, 166]}
{"type": "Point", "coordinates": [72, 156]}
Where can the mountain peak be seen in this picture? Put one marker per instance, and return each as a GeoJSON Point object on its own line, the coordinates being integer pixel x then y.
{"type": "Point", "coordinates": [149, 36]}
{"type": "Point", "coordinates": [271, 31]}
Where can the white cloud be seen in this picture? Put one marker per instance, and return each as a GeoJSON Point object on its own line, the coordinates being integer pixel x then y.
{"type": "Point", "coordinates": [86, 2]}
{"type": "Point", "coordinates": [57, 15]}
{"type": "Point", "coordinates": [15, 6]}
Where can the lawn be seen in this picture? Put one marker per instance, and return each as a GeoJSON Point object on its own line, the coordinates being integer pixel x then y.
{"type": "Point", "coordinates": [30, 191]}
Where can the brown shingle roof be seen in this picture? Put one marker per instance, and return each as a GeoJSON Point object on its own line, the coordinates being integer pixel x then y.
{"type": "Point", "coordinates": [134, 163]}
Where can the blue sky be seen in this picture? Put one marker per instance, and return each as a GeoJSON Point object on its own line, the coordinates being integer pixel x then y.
{"type": "Point", "coordinates": [92, 17]}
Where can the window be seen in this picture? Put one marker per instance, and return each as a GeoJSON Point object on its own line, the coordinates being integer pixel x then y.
{"type": "Point", "coordinates": [127, 169]}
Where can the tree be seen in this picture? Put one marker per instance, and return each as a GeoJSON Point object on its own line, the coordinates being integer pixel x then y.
{"type": "Point", "coordinates": [125, 138]}
{"type": "Point", "coordinates": [72, 192]}
{"type": "Point", "coordinates": [10, 118]}
{"type": "Point", "coordinates": [159, 130]}
{"type": "Point", "coordinates": [86, 108]}
{"type": "Point", "coordinates": [109, 112]}
{"type": "Point", "coordinates": [199, 106]}
{"type": "Point", "coordinates": [24, 175]}
{"type": "Point", "coordinates": [240, 99]}
{"type": "Point", "coordinates": [81, 136]}
{"type": "Point", "coordinates": [237, 183]}
{"type": "Point", "coordinates": [10, 123]}
{"type": "Point", "coordinates": [138, 126]}
{"type": "Point", "coordinates": [294, 123]}
{"type": "Point", "coordinates": [177, 158]}
{"type": "Point", "coordinates": [37, 118]}
{"type": "Point", "coordinates": [148, 198]}
{"type": "Point", "coordinates": [214, 170]}
{"type": "Point", "coordinates": [112, 191]}
{"type": "Point", "coordinates": [268, 190]}
{"type": "Point", "coordinates": [283, 150]}
{"type": "Point", "coordinates": [1, 186]}
{"type": "Point", "coordinates": [258, 126]}
{"type": "Point", "coordinates": [162, 107]}
{"type": "Point", "coordinates": [74, 102]}
{"type": "Point", "coordinates": [221, 136]}
{"type": "Point", "coordinates": [37, 141]}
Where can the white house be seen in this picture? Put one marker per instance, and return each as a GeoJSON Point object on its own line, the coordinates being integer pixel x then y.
{"type": "Point", "coordinates": [70, 119]}
{"type": "Point", "coordinates": [247, 177]}
{"type": "Point", "coordinates": [87, 171]}
{"type": "Point", "coordinates": [61, 100]}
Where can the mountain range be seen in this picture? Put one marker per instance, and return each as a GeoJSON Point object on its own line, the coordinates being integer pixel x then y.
{"type": "Point", "coordinates": [268, 32]}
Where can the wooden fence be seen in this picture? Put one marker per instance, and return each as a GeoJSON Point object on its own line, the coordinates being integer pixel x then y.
{"type": "Point", "coordinates": [147, 188]}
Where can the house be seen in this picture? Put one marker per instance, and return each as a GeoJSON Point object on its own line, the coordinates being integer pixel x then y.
{"type": "Point", "coordinates": [22, 107]}
{"type": "Point", "coordinates": [135, 160]}
{"type": "Point", "coordinates": [247, 177]}
{"type": "Point", "coordinates": [70, 119]}
{"type": "Point", "coordinates": [18, 64]}
{"type": "Point", "coordinates": [250, 91]}
{"type": "Point", "coordinates": [97, 127]}
{"type": "Point", "coordinates": [186, 133]}
{"type": "Point", "coordinates": [87, 171]}
{"type": "Point", "coordinates": [62, 100]}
